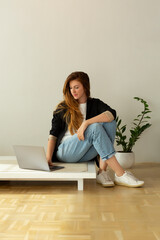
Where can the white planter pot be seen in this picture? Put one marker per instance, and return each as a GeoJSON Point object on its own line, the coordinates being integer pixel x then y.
{"type": "Point", "coordinates": [125, 159]}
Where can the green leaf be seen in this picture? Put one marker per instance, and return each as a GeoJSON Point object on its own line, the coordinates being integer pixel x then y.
{"type": "Point", "coordinates": [119, 122]}
{"type": "Point", "coordinates": [124, 129]}
{"type": "Point", "coordinates": [124, 137]}
{"type": "Point", "coordinates": [145, 112]}
{"type": "Point", "coordinates": [147, 117]}
{"type": "Point", "coordinates": [132, 132]}
{"type": "Point", "coordinates": [137, 98]}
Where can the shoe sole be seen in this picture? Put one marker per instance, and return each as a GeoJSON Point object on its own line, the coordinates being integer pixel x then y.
{"type": "Point", "coordinates": [127, 185]}
{"type": "Point", "coordinates": [108, 185]}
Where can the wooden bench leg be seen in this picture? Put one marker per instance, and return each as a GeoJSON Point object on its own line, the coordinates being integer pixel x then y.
{"type": "Point", "coordinates": [80, 184]}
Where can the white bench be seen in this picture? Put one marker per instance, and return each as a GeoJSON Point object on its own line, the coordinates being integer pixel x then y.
{"type": "Point", "coordinates": [9, 170]}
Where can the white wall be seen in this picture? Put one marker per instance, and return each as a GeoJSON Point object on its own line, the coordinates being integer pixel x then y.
{"type": "Point", "coordinates": [41, 42]}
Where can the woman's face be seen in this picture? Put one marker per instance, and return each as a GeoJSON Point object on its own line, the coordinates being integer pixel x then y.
{"type": "Point", "coordinates": [77, 91]}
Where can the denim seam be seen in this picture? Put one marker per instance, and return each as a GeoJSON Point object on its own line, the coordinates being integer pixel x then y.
{"type": "Point", "coordinates": [109, 156]}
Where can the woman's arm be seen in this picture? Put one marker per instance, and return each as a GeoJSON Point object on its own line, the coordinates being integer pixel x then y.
{"type": "Point", "coordinates": [50, 149]}
{"type": "Point", "coordinates": [54, 133]}
{"type": "Point", "coordinates": [103, 117]}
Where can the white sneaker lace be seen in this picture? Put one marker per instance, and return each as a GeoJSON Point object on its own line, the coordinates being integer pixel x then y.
{"type": "Point", "coordinates": [131, 174]}
{"type": "Point", "coordinates": [106, 176]}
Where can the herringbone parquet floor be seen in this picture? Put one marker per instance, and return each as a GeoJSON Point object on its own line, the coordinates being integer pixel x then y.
{"type": "Point", "coordinates": [57, 211]}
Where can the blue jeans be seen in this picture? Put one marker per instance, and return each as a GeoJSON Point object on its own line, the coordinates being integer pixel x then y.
{"type": "Point", "coordinates": [99, 140]}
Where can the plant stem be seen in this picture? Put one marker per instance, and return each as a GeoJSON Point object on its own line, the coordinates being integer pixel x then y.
{"type": "Point", "coordinates": [141, 118]}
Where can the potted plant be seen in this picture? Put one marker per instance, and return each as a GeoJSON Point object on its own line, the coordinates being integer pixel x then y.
{"type": "Point", "coordinates": [126, 157]}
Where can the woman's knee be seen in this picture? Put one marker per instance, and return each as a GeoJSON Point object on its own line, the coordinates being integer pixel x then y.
{"type": "Point", "coordinates": [110, 125]}
{"type": "Point", "coordinates": [94, 126]}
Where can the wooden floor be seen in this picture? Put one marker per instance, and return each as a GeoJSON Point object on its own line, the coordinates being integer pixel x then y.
{"type": "Point", "coordinates": [57, 211]}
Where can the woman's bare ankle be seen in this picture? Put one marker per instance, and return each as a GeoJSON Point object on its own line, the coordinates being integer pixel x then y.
{"type": "Point", "coordinates": [120, 173]}
{"type": "Point", "coordinates": [102, 169]}
{"type": "Point", "coordinates": [102, 165]}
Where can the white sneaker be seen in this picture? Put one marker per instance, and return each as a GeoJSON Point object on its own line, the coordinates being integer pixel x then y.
{"type": "Point", "coordinates": [104, 179]}
{"type": "Point", "coordinates": [128, 179]}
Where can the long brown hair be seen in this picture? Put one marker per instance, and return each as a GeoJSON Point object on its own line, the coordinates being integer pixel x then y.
{"type": "Point", "coordinates": [73, 115]}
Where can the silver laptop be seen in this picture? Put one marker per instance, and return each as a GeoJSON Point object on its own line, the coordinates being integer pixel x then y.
{"type": "Point", "coordinates": [33, 157]}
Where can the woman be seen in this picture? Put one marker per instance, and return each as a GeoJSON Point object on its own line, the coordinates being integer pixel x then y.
{"type": "Point", "coordinates": [84, 128]}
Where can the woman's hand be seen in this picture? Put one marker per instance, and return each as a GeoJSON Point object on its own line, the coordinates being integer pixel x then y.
{"type": "Point", "coordinates": [81, 130]}
{"type": "Point", "coordinates": [50, 163]}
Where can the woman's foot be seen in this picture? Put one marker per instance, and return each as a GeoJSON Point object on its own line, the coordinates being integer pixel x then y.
{"type": "Point", "coordinates": [128, 180]}
{"type": "Point", "coordinates": [104, 179]}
